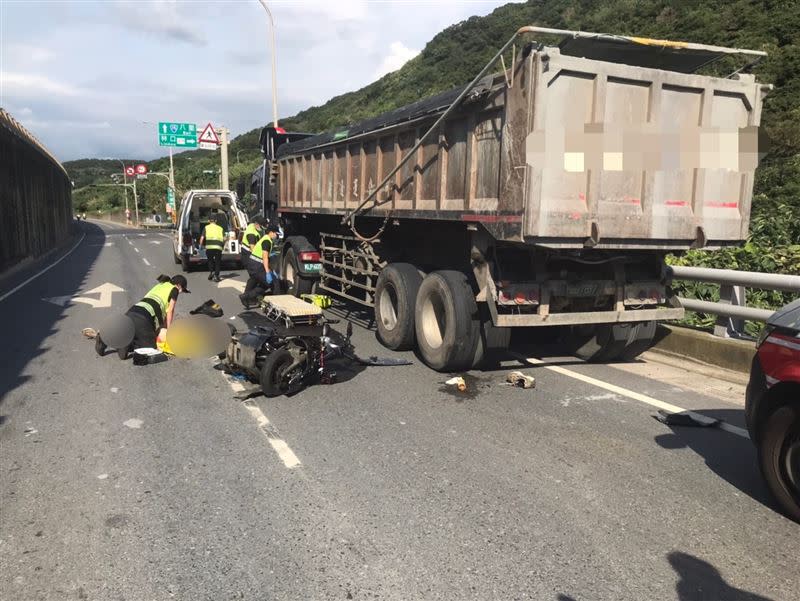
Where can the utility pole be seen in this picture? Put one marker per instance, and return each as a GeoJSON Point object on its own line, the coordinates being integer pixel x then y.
{"type": "Point", "coordinates": [274, 65]}
{"type": "Point", "coordinates": [223, 150]}
{"type": "Point", "coordinates": [172, 186]}
{"type": "Point", "coordinates": [135, 201]}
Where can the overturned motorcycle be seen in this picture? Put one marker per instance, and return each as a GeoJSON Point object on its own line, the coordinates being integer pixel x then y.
{"type": "Point", "coordinates": [294, 348]}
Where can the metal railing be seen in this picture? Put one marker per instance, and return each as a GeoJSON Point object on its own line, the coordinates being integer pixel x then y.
{"type": "Point", "coordinates": [732, 310]}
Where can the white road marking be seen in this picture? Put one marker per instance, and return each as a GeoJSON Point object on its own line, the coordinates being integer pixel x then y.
{"type": "Point", "coordinates": [105, 291]}
{"type": "Point", "coordinates": [129, 240]}
{"type": "Point", "coordinates": [286, 454]}
{"type": "Point", "coordinates": [231, 283]}
{"type": "Point", "coordinates": [136, 249]}
{"type": "Point", "coordinates": [146, 262]}
{"type": "Point", "coordinates": [155, 241]}
{"type": "Point", "coordinates": [636, 396]}
{"type": "Point", "coordinates": [283, 450]}
{"type": "Point", "coordinates": [134, 423]}
{"type": "Point", "coordinates": [45, 270]}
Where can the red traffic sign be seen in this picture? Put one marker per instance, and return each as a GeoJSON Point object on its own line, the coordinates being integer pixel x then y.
{"type": "Point", "coordinates": [209, 136]}
{"type": "Point", "coordinates": [130, 171]}
{"type": "Point", "coordinates": [141, 169]}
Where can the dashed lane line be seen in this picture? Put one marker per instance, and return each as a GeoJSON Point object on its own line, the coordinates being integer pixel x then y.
{"type": "Point", "coordinates": [631, 394]}
{"type": "Point", "coordinates": [45, 270]}
{"type": "Point", "coordinates": [283, 450]}
{"type": "Point", "coordinates": [146, 262]}
{"type": "Point", "coordinates": [136, 249]}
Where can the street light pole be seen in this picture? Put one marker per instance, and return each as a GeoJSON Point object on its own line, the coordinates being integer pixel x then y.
{"type": "Point", "coordinates": [274, 66]}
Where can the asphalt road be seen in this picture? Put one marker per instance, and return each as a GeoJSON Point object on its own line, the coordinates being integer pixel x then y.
{"type": "Point", "coordinates": [151, 483]}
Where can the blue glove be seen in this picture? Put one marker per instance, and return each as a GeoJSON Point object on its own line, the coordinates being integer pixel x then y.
{"type": "Point", "coordinates": [269, 277]}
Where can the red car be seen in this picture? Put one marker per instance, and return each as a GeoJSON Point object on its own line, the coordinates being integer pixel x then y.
{"type": "Point", "coordinates": [772, 406]}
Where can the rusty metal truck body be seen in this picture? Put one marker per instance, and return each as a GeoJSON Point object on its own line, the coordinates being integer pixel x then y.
{"type": "Point", "coordinates": [556, 187]}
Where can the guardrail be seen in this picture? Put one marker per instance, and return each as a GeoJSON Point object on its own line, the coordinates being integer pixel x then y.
{"type": "Point", "coordinates": [732, 310]}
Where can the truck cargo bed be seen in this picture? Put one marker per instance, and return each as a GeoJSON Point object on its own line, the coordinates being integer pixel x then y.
{"type": "Point", "coordinates": [561, 151]}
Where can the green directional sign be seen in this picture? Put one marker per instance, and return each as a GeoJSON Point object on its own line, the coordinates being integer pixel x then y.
{"type": "Point", "coordinates": [171, 197]}
{"type": "Point", "coordinates": [183, 135]}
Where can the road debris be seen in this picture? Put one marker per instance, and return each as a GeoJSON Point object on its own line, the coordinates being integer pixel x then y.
{"type": "Point", "coordinates": [458, 382]}
{"type": "Point", "coordinates": [686, 418]}
{"type": "Point", "coordinates": [134, 423]}
{"type": "Point", "coordinates": [520, 380]}
{"type": "Point", "coordinates": [210, 308]}
{"type": "Point", "coordinates": [29, 430]}
{"type": "Point", "coordinates": [90, 333]}
{"type": "Point", "coordinates": [148, 356]}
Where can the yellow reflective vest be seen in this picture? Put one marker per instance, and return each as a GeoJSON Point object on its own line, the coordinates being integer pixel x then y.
{"type": "Point", "coordinates": [258, 248]}
{"type": "Point", "coordinates": [156, 302]}
{"type": "Point", "coordinates": [214, 236]}
{"type": "Point", "coordinates": [250, 229]}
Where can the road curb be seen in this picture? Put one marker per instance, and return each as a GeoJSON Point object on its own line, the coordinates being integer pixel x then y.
{"type": "Point", "coordinates": [685, 343]}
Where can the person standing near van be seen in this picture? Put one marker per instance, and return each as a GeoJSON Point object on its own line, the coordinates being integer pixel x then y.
{"type": "Point", "coordinates": [214, 239]}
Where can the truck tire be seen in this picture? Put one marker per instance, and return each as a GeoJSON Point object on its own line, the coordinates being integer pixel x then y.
{"type": "Point", "coordinates": [395, 299]}
{"type": "Point", "coordinates": [640, 338]}
{"type": "Point", "coordinates": [491, 344]}
{"type": "Point", "coordinates": [779, 457]}
{"type": "Point", "coordinates": [602, 342]}
{"type": "Point", "coordinates": [290, 273]}
{"type": "Point", "coordinates": [447, 322]}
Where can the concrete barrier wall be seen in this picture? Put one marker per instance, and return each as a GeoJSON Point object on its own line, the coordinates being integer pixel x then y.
{"type": "Point", "coordinates": [35, 196]}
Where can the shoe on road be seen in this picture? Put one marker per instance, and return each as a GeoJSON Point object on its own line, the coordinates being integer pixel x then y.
{"type": "Point", "coordinates": [99, 346]}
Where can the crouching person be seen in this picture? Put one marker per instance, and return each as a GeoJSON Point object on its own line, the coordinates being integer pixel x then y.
{"type": "Point", "coordinates": [263, 276]}
{"type": "Point", "coordinates": [149, 315]}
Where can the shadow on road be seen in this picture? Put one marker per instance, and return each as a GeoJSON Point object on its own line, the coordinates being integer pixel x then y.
{"type": "Point", "coordinates": [698, 579]}
{"type": "Point", "coordinates": [731, 457]}
{"type": "Point", "coordinates": [29, 321]}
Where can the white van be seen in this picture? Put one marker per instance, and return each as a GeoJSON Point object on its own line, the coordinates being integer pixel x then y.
{"type": "Point", "coordinates": [196, 208]}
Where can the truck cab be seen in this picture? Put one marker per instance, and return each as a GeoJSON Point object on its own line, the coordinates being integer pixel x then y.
{"type": "Point", "coordinates": [197, 207]}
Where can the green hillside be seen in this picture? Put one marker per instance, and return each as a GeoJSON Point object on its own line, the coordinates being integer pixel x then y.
{"type": "Point", "coordinates": [456, 54]}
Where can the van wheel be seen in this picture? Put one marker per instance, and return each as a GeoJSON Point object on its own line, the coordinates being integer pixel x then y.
{"type": "Point", "coordinates": [640, 339]}
{"type": "Point", "coordinates": [446, 321]}
{"type": "Point", "coordinates": [290, 272]}
{"type": "Point", "coordinates": [395, 298]}
{"type": "Point", "coordinates": [779, 457]}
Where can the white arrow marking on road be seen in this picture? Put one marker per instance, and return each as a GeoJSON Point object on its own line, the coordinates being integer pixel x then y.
{"type": "Point", "coordinates": [232, 284]}
{"type": "Point", "coordinates": [105, 291]}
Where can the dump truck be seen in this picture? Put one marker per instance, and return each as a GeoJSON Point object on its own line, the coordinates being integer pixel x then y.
{"type": "Point", "coordinates": [545, 193]}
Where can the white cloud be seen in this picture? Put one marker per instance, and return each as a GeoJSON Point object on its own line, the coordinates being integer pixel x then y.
{"type": "Point", "coordinates": [11, 81]}
{"type": "Point", "coordinates": [399, 55]}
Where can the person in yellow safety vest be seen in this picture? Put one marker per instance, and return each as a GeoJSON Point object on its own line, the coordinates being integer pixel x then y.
{"type": "Point", "coordinates": [252, 234]}
{"type": "Point", "coordinates": [149, 315]}
{"type": "Point", "coordinates": [263, 274]}
{"type": "Point", "coordinates": [214, 239]}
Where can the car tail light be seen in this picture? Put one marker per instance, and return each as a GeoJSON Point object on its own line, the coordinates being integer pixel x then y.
{"type": "Point", "coordinates": [309, 256]}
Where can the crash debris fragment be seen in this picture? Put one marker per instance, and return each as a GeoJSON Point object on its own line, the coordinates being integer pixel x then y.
{"type": "Point", "coordinates": [520, 380]}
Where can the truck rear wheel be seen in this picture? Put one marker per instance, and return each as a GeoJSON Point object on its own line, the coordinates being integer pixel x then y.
{"type": "Point", "coordinates": [779, 456]}
{"type": "Point", "coordinates": [395, 298]}
{"type": "Point", "coordinates": [295, 283]}
{"type": "Point", "coordinates": [447, 321]}
{"type": "Point", "coordinates": [491, 342]}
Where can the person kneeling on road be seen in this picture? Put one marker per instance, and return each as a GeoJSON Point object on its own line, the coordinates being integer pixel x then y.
{"type": "Point", "coordinates": [263, 276]}
{"type": "Point", "coordinates": [214, 240]}
{"type": "Point", "coordinates": [149, 315]}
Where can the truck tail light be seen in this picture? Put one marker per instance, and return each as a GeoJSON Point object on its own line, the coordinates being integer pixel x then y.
{"type": "Point", "coordinates": [309, 256]}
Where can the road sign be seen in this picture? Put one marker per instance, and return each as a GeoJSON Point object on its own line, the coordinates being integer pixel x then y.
{"type": "Point", "coordinates": [209, 136]}
{"type": "Point", "coordinates": [183, 135]}
{"type": "Point", "coordinates": [141, 169]}
{"type": "Point", "coordinates": [170, 197]}
{"type": "Point", "coordinates": [130, 171]}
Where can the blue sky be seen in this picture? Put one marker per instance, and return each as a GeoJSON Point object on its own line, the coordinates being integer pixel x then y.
{"type": "Point", "coordinates": [84, 76]}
